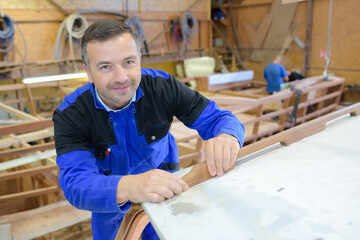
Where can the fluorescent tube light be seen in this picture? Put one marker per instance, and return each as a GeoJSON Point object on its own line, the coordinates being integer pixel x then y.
{"type": "Point", "coordinates": [54, 78]}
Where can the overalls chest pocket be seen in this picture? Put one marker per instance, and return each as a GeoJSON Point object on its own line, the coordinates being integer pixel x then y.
{"type": "Point", "coordinates": [157, 147]}
{"type": "Point", "coordinates": [101, 154]}
{"type": "Point", "coordinates": [156, 133]}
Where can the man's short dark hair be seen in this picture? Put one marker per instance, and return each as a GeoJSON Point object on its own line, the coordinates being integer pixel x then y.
{"type": "Point", "coordinates": [104, 30]}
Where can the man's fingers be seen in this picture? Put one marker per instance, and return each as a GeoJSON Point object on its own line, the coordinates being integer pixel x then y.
{"type": "Point", "coordinates": [184, 186]}
{"type": "Point", "coordinates": [172, 182]}
{"type": "Point", "coordinates": [155, 186]}
{"type": "Point", "coordinates": [209, 155]}
{"type": "Point", "coordinates": [202, 155]}
{"type": "Point", "coordinates": [220, 153]}
{"type": "Point", "coordinates": [164, 191]}
{"type": "Point", "coordinates": [234, 150]}
{"type": "Point", "coordinates": [154, 197]}
{"type": "Point", "coordinates": [218, 156]}
{"type": "Point", "coordinates": [176, 184]}
{"type": "Point", "coordinates": [227, 159]}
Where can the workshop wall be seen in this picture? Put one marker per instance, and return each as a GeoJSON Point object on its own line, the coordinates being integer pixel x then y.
{"type": "Point", "coordinates": [39, 22]}
{"type": "Point", "coordinates": [345, 35]}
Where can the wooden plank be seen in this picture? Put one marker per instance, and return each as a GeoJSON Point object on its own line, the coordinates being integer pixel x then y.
{"type": "Point", "coordinates": [291, 1]}
{"type": "Point", "coordinates": [264, 26]}
{"type": "Point", "coordinates": [28, 194]}
{"type": "Point", "coordinates": [250, 31]}
{"type": "Point", "coordinates": [27, 172]}
{"type": "Point", "coordinates": [26, 137]}
{"type": "Point", "coordinates": [11, 87]}
{"type": "Point", "coordinates": [241, 94]}
{"type": "Point", "coordinates": [26, 160]}
{"type": "Point", "coordinates": [278, 29]}
{"type": "Point", "coordinates": [43, 220]}
{"type": "Point", "coordinates": [21, 151]}
{"type": "Point", "coordinates": [17, 113]}
{"type": "Point", "coordinates": [25, 127]}
{"type": "Point", "coordinates": [5, 232]}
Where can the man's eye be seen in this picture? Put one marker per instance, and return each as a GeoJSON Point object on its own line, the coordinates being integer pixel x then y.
{"type": "Point", "coordinates": [129, 62]}
{"type": "Point", "coordinates": [105, 67]}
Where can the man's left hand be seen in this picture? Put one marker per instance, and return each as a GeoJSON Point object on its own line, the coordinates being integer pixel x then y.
{"type": "Point", "coordinates": [220, 153]}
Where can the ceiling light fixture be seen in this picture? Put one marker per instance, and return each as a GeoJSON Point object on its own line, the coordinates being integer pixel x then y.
{"type": "Point", "coordinates": [59, 77]}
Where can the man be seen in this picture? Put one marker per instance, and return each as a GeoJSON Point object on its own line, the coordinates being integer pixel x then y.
{"type": "Point", "coordinates": [275, 74]}
{"type": "Point", "coordinates": [112, 134]}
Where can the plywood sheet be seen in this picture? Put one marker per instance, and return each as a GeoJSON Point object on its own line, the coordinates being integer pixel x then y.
{"type": "Point", "coordinates": [280, 20]}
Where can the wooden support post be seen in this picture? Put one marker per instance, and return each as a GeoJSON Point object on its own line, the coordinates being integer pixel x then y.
{"type": "Point", "coordinates": [210, 38]}
{"type": "Point", "coordinates": [199, 34]}
{"type": "Point", "coordinates": [31, 101]}
{"type": "Point", "coordinates": [259, 111]}
{"type": "Point", "coordinates": [282, 120]}
{"type": "Point", "coordinates": [307, 54]}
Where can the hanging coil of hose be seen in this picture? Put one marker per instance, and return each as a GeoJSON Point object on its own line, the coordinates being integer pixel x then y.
{"type": "Point", "coordinates": [74, 26]}
{"type": "Point", "coordinates": [135, 21]}
{"type": "Point", "coordinates": [136, 24]}
{"type": "Point", "coordinates": [188, 28]}
{"type": "Point", "coordinates": [6, 34]}
{"type": "Point", "coordinates": [183, 30]}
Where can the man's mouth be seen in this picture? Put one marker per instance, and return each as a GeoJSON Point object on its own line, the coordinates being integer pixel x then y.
{"type": "Point", "coordinates": [121, 88]}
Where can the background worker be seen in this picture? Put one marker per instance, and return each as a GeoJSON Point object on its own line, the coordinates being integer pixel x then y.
{"type": "Point", "coordinates": [112, 134]}
{"type": "Point", "coordinates": [275, 74]}
{"type": "Point", "coordinates": [294, 76]}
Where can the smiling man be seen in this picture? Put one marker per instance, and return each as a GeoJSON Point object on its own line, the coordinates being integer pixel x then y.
{"type": "Point", "coordinates": [112, 135]}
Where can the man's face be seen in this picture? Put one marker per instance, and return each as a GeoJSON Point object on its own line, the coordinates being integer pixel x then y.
{"type": "Point", "coordinates": [114, 68]}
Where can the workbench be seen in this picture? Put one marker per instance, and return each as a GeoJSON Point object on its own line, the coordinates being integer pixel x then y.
{"type": "Point", "coordinates": [303, 183]}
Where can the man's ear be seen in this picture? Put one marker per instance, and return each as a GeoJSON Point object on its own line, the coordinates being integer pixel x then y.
{"type": "Point", "coordinates": [88, 73]}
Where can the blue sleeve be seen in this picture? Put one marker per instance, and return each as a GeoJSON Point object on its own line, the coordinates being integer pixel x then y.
{"type": "Point", "coordinates": [84, 187]}
{"type": "Point", "coordinates": [283, 71]}
{"type": "Point", "coordinates": [265, 74]}
{"type": "Point", "coordinates": [214, 121]}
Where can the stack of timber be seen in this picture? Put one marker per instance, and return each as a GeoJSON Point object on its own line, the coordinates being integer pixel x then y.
{"type": "Point", "coordinates": [32, 204]}
{"type": "Point", "coordinates": [28, 173]}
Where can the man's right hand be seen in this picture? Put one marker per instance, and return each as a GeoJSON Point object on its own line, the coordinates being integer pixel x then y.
{"type": "Point", "coordinates": [153, 186]}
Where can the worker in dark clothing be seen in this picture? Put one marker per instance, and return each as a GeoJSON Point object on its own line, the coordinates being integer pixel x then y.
{"type": "Point", "coordinates": [112, 134]}
{"type": "Point", "coordinates": [294, 76]}
{"type": "Point", "coordinates": [275, 74]}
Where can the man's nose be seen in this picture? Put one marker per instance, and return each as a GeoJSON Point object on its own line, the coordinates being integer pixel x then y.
{"type": "Point", "coordinates": [121, 75]}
